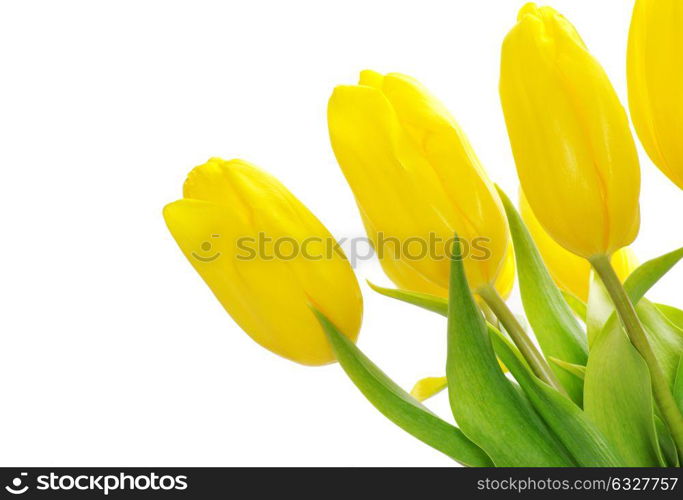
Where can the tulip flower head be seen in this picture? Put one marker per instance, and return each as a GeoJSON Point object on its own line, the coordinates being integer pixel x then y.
{"type": "Point", "coordinates": [655, 82]}
{"type": "Point", "coordinates": [417, 182]}
{"type": "Point", "coordinates": [227, 209]}
{"type": "Point", "coordinates": [570, 136]}
{"type": "Point", "coordinates": [570, 272]}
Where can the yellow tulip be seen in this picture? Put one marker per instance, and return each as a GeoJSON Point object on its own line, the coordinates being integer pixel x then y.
{"type": "Point", "coordinates": [570, 136]}
{"type": "Point", "coordinates": [506, 276]}
{"type": "Point", "coordinates": [229, 206]}
{"type": "Point", "coordinates": [417, 181]}
{"type": "Point", "coordinates": [570, 272]}
{"type": "Point", "coordinates": [655, 82]}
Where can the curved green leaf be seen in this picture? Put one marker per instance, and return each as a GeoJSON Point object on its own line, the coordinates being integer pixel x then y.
{"type": "Point", "coordinates": [618, 397]}
{"type": "Point", "coordinates": [666, 443]}
{"type": "Point", "coordinates": [649, 273]}
{"type": "Point", "coordinates": [485, 404]}
{"type": "Point", "coordinates": [673, 314]}
{"type": "Point", "coordinates": [678, 385]}
{"type": "Point", "coordinates": [576, 304]}
{"type": "Point", "coordinates": [578, 371]}
{"type": "Point", "coordinates": [399, 407]}
{"type": "Point", "coordinates": [430, 302]}
{"type": "Point", "coordinates": [665, 338]}
{"type": "Point", "coordinates": [558, 332]}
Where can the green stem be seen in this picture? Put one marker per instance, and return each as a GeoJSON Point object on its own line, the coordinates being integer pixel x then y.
{"type": "Point", "coordinates": [636, 333]}
{"type": "Point", "coordinates": [536, 361]}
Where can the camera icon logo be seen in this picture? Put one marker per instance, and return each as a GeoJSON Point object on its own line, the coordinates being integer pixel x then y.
{"type": "Point", "coordinates": [16, 488]}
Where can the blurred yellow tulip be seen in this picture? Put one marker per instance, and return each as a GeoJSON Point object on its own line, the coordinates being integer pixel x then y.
{"type": "Point", "coordinates": [570, 136]}
{"type": "Point", "coordinates": [655, 82]}
{"type": "Point", "coordinates": [227, 207]}
{"type": "Point", "coordinates": [570, 272]}
{"type": "Point", "coordinates": [417, 181]}
{"type": "Point", "coordinates": [506, 276]}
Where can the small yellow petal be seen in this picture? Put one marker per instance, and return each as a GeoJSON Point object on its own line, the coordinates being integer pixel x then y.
{"type": "Point", "coordinates": [430, 386]}
{"type": "Point", "coordinates": [427, 387]}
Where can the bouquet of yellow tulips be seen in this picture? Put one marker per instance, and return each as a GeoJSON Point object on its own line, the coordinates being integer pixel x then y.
{"type": "Point", "coordinates": [593, 377]}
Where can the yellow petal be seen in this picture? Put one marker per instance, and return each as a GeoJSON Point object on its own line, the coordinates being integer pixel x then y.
{"type": "Point", "coordinates": [430, 386]}
{"type": "Point", "coordinates": [267, 291]}
{"type": "Point", "coordinates": [427, 387]}
{"type": "Point", "coordinates": [655, 82]}
{"type": "Point", "coordinates": [570, 136]}
{"type": "Point", "coordinates": [624, 262]}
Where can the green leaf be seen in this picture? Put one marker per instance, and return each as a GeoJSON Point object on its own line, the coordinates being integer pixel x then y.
{"type": "Point", "coordinates": [648, 273]}
{"type": "Point", "coordinates": [576, 304]}
{"type": "Point", "coordinates": [678, 385]}
{"type": "Point", "coordinates": [666, 442]}
{"type": "Point", "coordinates": [580, 436]}
{"type": "Point", "coordinates": [618, 397]}
{"type": "Point", "coordinates": [430, 302]}
{"type": "Point", "coordinates": [558, 332]}
{"type": "Point", "coordinates": [399, 407]}
{"type": "Point", "coordinates": [673, 314]}
{"type": "Point", "coordinates": [484, 402]}
{"type": "Point", "coordinates": [665, 338]}
{"type": "Point", "coordinates": [578, 371]}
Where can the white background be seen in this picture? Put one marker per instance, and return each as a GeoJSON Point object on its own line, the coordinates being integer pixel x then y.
{"type": "Point", "coordinates": [112, 350]}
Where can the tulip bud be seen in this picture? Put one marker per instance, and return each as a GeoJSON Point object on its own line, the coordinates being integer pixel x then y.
{"type": "Point", "coordinates": [570, 136]}
{"type": "Point", "coordinates": [655, 80]}
{"type": "Point", "coordinates": [570, 272]}
{"type": "Point", "coordinates": [266, 258]}
{"type": "Point", "coordinates": [417, 181]}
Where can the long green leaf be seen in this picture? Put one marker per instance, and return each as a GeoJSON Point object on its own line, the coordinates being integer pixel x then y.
{"type": "Point", "coordinates": [397, 405]}
{"type": "Point", "coordinates": [648, 273]}
{"type": "Point", "coordinates": [578, 371]}
{"type": "Point", "coordinates": [558, 332]}
{"type": "Point", "coordinates": [485, 404]}
{"type": "Point", "coordinates": [432, 303]}
{"type": "Point", "coordinates": [618, 397]}
{"type": "Point", "coordinates": [673, 314]}
{"type": "Point", "coordinates": [619, 390]}
{"type": "Point", "coordinates": [665, 338]}
{"type": "Point", "coordinates": [580, 436]}
{"type": "Point", "coordinates": [576, 304]}
{"type": "Point", "coordinates": [678, 385]}
{"type": "Point", "coordinates": [666, 443]}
